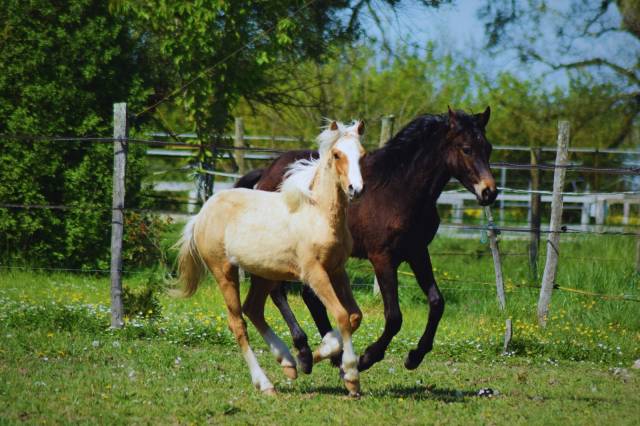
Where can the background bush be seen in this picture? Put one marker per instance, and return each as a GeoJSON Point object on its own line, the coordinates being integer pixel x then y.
{"type": "Point", "coordinates": [62, 66]}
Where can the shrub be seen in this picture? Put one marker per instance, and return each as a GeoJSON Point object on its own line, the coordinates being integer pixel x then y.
{"type": "Point", "coordinates": [143, 303]}
{"type": "Point", "coordinates": [142, 240]}
{"type": "Point", "coordinates": [64, 64]}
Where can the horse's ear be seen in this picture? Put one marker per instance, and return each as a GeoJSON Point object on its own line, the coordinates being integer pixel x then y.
{"type": "Point", "coordinates": [361, 127]}
{"type": "Point", "coordinates": [484, 117]}
{"type": "Point", "coordinates": [453, 120]}
{"type": "Point", "coordinates": [333, 126]}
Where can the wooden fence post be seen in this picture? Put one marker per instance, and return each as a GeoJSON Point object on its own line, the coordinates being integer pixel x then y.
{"type": "Point", "coordinates": [626, 208]}
{"type": "Point", "coordinates": [601, 212]}
{"type": "Point", "coordinates": [638, 254]}
{"type": "Point", "coordinates": [553, 246]}
{"type": "Point", "coordinates": [534, 244]}
{"type": "Point", "coordinates": [238, 142]}
{"type": "Point", "coordinates": [503, 184]}
{"type": "Point", "coordinates": [120, 134]}
{"type": "Point", "coordinates": [497, 264]}
{"type": "Point", "coordinates": [386, 131]}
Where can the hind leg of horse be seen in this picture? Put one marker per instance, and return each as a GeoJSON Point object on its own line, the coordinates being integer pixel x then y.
{"type": "Point", "coordinates": [279, 297]}
{"type": "Point", "coordinates": [319, 280]}
{"type": "Point", "coordinates": [386, 272]}
{"type": "Point", "coordinates": [421, 266]}
{"type": "Point", "coordinates": [254, 308]}
{"type": "Point", "coordinates": [227, 278]}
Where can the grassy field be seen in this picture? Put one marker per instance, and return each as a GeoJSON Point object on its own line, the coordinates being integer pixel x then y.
{"type": "Point", "coordinates": [60, 363]}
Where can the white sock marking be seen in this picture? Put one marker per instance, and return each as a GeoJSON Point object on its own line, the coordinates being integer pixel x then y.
{"type": "Point", "coordinates": [349, 361]}
{"type": "Point", "coordinates": [258, 378]}
{"type": "Point", "coordinates": [331, 344]}
{"type": "Point", "coordinates": [279, 349]}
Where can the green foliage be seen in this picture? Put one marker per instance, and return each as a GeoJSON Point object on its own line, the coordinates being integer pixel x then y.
{"type": "Point", "coordinates": [220, 52]}
{"type": "Point", "coordinates": [143, 303]}
{"type": "Point", "coordinates": [225, 50]}
{"type": "Point", "coordinates": [62, 66]}
{"type": "Point", "coordinates": [142, 241]}
{"type": "Point", "coordinates": [366, 83]}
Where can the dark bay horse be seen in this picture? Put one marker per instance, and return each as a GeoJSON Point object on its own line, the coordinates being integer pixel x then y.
{"type": "Point", "coordinates": [395, 218]}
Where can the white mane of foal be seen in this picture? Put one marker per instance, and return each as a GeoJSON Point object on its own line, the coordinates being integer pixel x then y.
{"type": "Point", "coordinates": [296, 186]}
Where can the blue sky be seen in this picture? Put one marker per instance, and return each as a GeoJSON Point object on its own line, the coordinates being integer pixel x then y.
{"type": "Point", "coordinates": [456, 29]}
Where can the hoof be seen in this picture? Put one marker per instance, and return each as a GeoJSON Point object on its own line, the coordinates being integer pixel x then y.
{"type": "Point", "coordinates": [365, 362]}
{"type": "Point", "coordinates": [412, 361]}
{"type": "Point", "coordinates": [305, 361]}
{"type": "Point", "coordinates": [269, 392]}
{"type": "Point", "coordinates": [290, 372]}
{"type": "Point", "coordinates": [353, 387]}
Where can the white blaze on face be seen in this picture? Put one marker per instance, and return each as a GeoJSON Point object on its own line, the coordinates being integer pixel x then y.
{"type": "Point", "coordinates": [350, 146]}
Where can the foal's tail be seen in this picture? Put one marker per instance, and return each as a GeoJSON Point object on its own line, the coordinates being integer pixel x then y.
{"type": "Point", "coordinates": [191, 267]}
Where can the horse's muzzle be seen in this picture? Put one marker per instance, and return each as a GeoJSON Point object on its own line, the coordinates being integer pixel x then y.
{"type": "Point", "coordinates": [354, 193]}
{"type": "Point", "coordinates": [487, 196]}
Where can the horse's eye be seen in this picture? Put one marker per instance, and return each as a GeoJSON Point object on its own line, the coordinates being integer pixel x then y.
{"type": "Point", "coordinates": [336, 155]}
{"type": "Point", "coordinates": [466, 150]}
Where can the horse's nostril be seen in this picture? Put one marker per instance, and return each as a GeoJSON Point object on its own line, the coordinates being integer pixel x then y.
{"type": "Point", "coordinates": [486, 193]}
{"type": "Point", "coordinates": [354, 192]}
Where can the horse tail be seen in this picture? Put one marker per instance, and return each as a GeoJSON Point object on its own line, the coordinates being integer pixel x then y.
{"type": "Point", "coordinates": [191, 267]}
{"type": "Point", "coordinates": [250, 180]}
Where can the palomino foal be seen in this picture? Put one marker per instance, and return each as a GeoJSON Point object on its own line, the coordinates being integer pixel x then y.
{"type": "Point", "coordinates": [304, 237]}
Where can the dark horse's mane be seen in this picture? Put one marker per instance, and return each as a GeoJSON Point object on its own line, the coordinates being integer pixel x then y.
{"type": "Point", "coordinates": [405, 154]}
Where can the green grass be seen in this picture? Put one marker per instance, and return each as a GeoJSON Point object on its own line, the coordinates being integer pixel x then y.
{"type": "Point", "coordinates": [60, 363]}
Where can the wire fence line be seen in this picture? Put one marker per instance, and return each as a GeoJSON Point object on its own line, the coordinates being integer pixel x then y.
{"type": "Point", "coordinates": [487, 286]}
{"type": "Point", "coordinates": [582, 150]}
{"type": "Point", "coordinates": [464, 227]}
{"type": "Point", "coordinates": [508, 165]}
{"type": "Point", "coordinates": [568, 167]}
{"type": "Point", "coordinates": [564, 229]}
{"type": "Point", "coordinates": [566, 193]}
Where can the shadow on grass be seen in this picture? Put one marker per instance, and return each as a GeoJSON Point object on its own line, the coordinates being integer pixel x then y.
{"type": "Point", "coordinates": [415, 392]}
{"type": "Point", "coordinates": [425, 392]}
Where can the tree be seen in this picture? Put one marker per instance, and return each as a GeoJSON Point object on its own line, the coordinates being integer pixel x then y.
{"type": "Point", "coordinates": [221, 52]}
{"type": "Point", "coordinates": [363, 82]}
{"type": "Point", "coordinates": [596, 41]}
{"type": "Point", "coordinates": [62, 66]}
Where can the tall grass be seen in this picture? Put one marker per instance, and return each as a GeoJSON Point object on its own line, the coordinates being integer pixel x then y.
{"type": "Point", "coordinates": [580, 327]}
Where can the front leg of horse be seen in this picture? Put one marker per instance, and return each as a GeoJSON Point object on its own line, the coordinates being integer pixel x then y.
{"type": "Point", "coordinates": [320, 282]}
{"type": "Point", "coordinates": [332, 344]}
{"type": "Point", "coordinates": [422, 269]}
{"type": "Point", "coordinates": [321, 319]}
{"type": "Point", "coordinates": [388, 281]}
{"type": "Point", "coordinates": [305, 359]}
